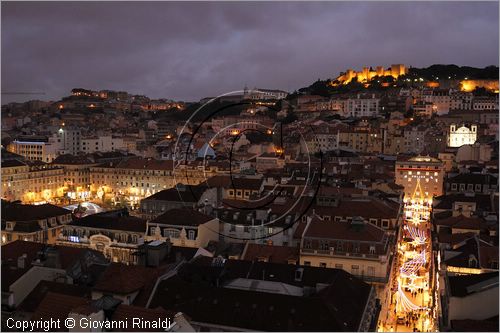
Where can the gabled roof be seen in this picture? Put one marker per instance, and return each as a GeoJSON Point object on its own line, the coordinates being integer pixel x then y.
{"type": "Point", "coordinates": [182, 216]}
{"type": "Point", "coordinates": [110, 221]}
{"type": "Point", "coordinates": [11, 163]}
{"type": "Point", "coordinates": [125, 279]}
{"type": "Point", "coordinates": [473, 248]}
{"type": "Point", "coordinates": [461, 222]}
{"type": "Point", "coordinates": [57, 307]}
{"type": "Point", "coordinates": [19, 212]}
{"type": "Point", "coordinates": [31, 302]}
{"type": "Point", "coordinates": [366, 207]}
{"type": "Point", "coordinates": [140, 163]}
{"type": "Point", "coordinates": [474, 178]}
{"type": "Point", "coordinates": [272, 253]}
{"type": "Point", "coordinates": [337, 307]}
{"type": "Point", "coordinates": [72, 159]}
{"type": "Point", "coordinates": [483, 201]}
{"type": "Point", "coordinates": [185, 193]}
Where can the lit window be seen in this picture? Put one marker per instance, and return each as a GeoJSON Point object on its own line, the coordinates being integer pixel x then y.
{"type": "Point", "coordinates": [74, 239]}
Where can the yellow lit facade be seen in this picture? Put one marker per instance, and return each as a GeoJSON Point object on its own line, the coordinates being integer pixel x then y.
{"type": "Point", "coordinates": [32, 184]}
{"type": "Point", "coordinates": [427, 172]}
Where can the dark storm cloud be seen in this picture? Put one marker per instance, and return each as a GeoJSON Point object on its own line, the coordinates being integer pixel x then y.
{"type": "Point", "coordinates": [191, 50]}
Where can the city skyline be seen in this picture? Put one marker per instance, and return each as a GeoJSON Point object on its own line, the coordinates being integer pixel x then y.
{"type": "Point", "coordinates": [156, 50]}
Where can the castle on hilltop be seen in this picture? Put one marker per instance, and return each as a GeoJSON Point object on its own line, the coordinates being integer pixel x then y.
{"type": "Point", "coordinates": [366, 74]}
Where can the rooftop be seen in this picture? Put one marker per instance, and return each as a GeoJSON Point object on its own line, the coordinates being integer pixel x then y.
{"type": "Point", "coordinates": [182, 216]}
{"type": "Point", "coordinates": [112, 220]}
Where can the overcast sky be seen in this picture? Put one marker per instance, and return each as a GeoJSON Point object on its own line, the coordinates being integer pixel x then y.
{"type": "Point", "coordinates": [187, 51]}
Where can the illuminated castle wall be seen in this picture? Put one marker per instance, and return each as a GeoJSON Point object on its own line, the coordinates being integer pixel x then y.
{"type": "Point", "coordinates": [462, 135]}
{"type": "Point", "coordinates": [470, 85]}
{"type": "Point", "coordinates": [366, 74]}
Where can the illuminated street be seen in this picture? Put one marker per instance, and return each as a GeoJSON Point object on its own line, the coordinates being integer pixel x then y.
{"type": "Point", "coordinates": [411, 308]}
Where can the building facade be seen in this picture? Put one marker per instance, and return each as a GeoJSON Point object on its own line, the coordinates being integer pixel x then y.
{"type": "Point", "coordinates": [423, 174]}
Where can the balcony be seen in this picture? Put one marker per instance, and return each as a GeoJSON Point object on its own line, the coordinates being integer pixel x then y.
{"type": "Point", "coordinates": [342, 254]}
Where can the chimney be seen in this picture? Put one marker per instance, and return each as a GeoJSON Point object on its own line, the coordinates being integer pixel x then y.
{"type": "Point", "coordinates": [492, 201]}
{"type": "Point", "coordinates": [52, 258]}
{"type": "Point", "coordinates": [21, 261]}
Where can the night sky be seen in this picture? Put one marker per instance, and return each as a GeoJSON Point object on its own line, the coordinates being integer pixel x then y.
{"type": "Point", "coordinates": [187, 51]}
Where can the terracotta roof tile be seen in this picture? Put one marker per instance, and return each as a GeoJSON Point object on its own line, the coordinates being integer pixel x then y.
{"type": "Point", "coordinates": [57, 307]}
{"type": "Point", "coordinates": [273, 254]}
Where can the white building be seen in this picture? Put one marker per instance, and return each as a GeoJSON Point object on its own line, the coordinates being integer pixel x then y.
{"type": "Point", "coordinates": [69, 138]}
{"type": "Point", "coordinates": [263, 94]}
{"type": "Point", "coordinates": [462, 135]}
{"type": "Point", "coordinates": [485, 103]}
{"type": "Point", "coordinates": [36, 148]}
{"type": "Point", "coordinates": [362, 107]}
{"type": "Point", "coordinates": [102, 144]}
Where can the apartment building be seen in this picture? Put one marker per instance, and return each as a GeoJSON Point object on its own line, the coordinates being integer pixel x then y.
{"type": "Point", "coordinates": [35, 148]}
{"type": "Point", "coordinates": [31, 182]}
{"type": "Point", "coordinates": [356, 246]}
{"type": "Point", "coordinates": [35, 223]}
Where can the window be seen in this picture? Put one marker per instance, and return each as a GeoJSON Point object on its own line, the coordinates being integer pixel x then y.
{"type": "Point", "coordinates": [371, 271]}
{"type": "Point", "coordinates": [307, 263]}
{"type": "Point", "coordinates": [322, 264]}
{"type": "Point", "coordinates": [470, 187]}
{"type": "Point", "coordinates": [326, 218]}
{"type": "Point", "coordinates": [356, 248]}
{"type": "Point", "coordinates": [472, 261]}
{"type": "Point", "coordinates": [355, 269]}
{"type": "Point", "coordinates": [339, 266]}
{"type": "Point", "coordinates": [323, 245]}
{"type": "Point", "coordinates": [385, 223]}
{"type": "Point", "coordinates": [247, 229]}
{"type": "Point", "coordinates": [191, 234]}
{"type": "Point", "coordinates": [307, 244]}
{"type": "Point", "coordinates": [478, 187]}
{"type": "Point", "coordinates": [340, 246]}
{"type": "Point", "coordinates": [462, 187]}
{"type": "Point", "coordinates": [171, 233]}
{"type": "Point", "coordinates": [372, 249]}
{"type": "Point", "coordinates": [232, 228]}
{"type": "Point", "coordinates": [124, 238]}
{"type": "Point", "coordinates": [231, 192]}
{"type": "Point", "coordinates": [74, 239]}
{"type": "Point", "coordinates": [9, 226]}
